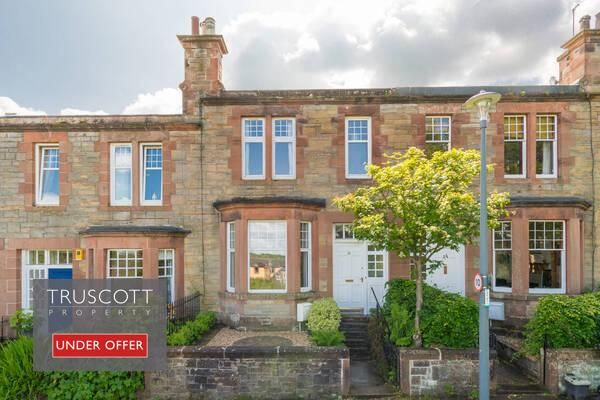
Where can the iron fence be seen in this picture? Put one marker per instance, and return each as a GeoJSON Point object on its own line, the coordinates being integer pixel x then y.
{"type": "Point", "coordinates": [389, 349]}
{"type": "Point", "coordinates": [182, 310]}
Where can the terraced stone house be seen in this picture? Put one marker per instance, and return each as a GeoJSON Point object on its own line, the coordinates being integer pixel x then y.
{"type": "Point", "coordinates": [232, 198]}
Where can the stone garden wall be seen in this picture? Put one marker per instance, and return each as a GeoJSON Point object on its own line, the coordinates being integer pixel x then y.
{"type": "Point", "coordinates": [440, 371]}
{"type": "Point", "coordinates": [260, 372]}
{"type": "Point", "coordinates": [584, 363]}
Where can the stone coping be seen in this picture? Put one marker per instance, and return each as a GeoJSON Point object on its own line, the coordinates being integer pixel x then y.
{"type": "Point", "coordinates": [270, 201]}
{"type": "Point", "coordinates": [236, 352]}
{"type": "Point", "coordinates": [442, 353]}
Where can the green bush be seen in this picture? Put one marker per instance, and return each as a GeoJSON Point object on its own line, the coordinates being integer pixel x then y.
{"type": "Point", "coordinates": [21, 321]}
{"type": "Point", "coordinates": [567, 322]}
{"type": "Point", "coordinates": [93, 385]}
{"type": "Point", "coordinates": [327, 338]}
{"type": "Point", "coordinates": [18, 380]}
{"type": "Point", "coordinates": [401, 325]}
{"type": "Point", "coordinates": [447, 319]}
{"type": "Point", "coordinates": [324, 315]}
{"type": "Point", "coordinates": [192, 331]}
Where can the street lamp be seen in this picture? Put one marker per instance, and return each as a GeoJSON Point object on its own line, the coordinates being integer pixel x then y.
{"type": "Point", "coordinates": [483, 101]}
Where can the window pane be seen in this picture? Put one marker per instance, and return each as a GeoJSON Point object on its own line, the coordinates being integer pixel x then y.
{"type": "Point", "coordinates": [545, 269]}
{"type": "Point", "coordinates": [304, 269]}
{"type": "Point", "coordinates": [153, 185]}
{"type": "Point", "coordinates": [254, 159]}
{"type": "Point", "coordinates": [123, 185]}
{"type": "Point", "coordinates": [544, 157]}
{"type": "Point", "coordinates": [357, 158]}
{"type": "Point", "coordinates": [49, 193]}
{"type": "Point", "coordinates": [253, 128]}
{"type": "Point", "coordinates": [431, 148]}
{"type": "Point", "coordinates": [339, 231]}
{"type": "Point", "coordinates": [283, 157]}
{"type": "Point", "coordinates": [504, 268]}
{"type": "Point", "coordinates": [513, 158]}
{"type": "Point", "coordinates": [267, 242]}
{"type": "Point", "coordinates": [283, 128]}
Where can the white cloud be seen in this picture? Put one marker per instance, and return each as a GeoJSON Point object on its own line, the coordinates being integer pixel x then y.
{"type": "Point", "coordinates": [75, 111]}
{"type": "Point", "coordinates": [164, 101]}
{"type": "Point", "coordinates": [356, 78]}
{"type": "Point", "coordinates": [9, 106]}
{"type": "Point", "coordinates": [306, 44]}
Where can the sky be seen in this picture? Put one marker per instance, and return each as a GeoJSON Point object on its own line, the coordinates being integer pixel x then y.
{"type": "Point", "coordinates": [122, 56]}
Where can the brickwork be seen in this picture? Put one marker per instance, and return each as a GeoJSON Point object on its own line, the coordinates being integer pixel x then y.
{"type": "Point", "coordinates": [257, 372]}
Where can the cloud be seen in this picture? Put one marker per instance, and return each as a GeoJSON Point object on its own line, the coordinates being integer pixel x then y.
{"type": "Point", "coordinates": [75, 111]}
{"type": "Point", "coordinates": [164, 101]}
{"type": "Point", "coordinates": [9, 106]}
{"type": "Point", "coordinates": [393, 43]}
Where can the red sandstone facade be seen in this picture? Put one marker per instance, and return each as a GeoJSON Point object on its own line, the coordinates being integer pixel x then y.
{"type": "Point", "coordinates": [244, 213]}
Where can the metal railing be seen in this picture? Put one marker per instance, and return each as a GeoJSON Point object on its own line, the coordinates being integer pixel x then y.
{"type": "Point", "coordinates": [389, 349]}
{"type": "Point", "coordinates": [182, 310]}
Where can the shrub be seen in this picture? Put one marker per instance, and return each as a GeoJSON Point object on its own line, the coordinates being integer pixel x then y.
{"type": "Point", "coordinates": [18, 380]}
{"type": "Point", "coordinates": [447, 319]}
{"type": "Point", "coordinates": [401, 325]}
{"type": "Point", "coordinates": [327, 338]}
{"type": "Point", "coordinates": [21, 321]}
{"type": "Point", "coordinates": [192, 331]}
{"type": "Point", "coordinates": [324, 315]}
{"type": "Point", "coordinates": [93, 385]}
{"type": "Point", "coordinates": [567, 322]}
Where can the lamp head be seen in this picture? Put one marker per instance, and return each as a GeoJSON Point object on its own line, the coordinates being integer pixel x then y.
{"type": "Point", "coordinates": [483, 101]}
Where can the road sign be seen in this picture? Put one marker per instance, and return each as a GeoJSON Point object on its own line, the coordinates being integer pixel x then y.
{"type": "Point", "coordinates": [478, 282]}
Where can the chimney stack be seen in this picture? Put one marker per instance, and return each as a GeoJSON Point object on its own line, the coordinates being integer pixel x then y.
{"type": "Point", "coordinates": [584, 22]}
{"type": "Point", "coordinates": [195, 25]}
{"type": "Point", "coordinates": [204, 50]}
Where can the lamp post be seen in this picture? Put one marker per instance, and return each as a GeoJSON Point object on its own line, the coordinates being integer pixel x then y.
{"type": "Point", "coordinates": [483, 101]}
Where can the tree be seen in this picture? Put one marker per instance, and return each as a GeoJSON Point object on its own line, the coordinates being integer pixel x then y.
{"type": "Point", "coordinates": [418, 206]}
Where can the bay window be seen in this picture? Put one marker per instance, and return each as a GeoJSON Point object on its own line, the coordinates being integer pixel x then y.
{"type": "Point", "coordinates": [231, 256]}
{"type": "Point", "coordinates": [358, 147]}
{"type": "Point", "coordinates": [166, 271]}
{"type": "Point", "coordinates": [502, 248]}
{"type": "Point", "coordinates": [120, 174]}
{"type": "Point", "coordinates": [253, 148]}
{"type": "Point", "coordinates": [47, 175]}
{"type": "Point", "coordinates": [437, 134]}
{"type": "Point", "coordinates": [283, 148]}
{"type": "Point", "coordinates": [515, 134]}
{"type": "Point", "coordinates": [305, 256]}
{"type": "Point", "coordinates": [125, 263]}
{"type": "Point", "coordinates": [151, 174]}
{"type": "Point", "coordinates": [546, 256]}
{"type": "Point", "coordinates": [545, 146]}
{"type": "Point", "coordinates": [267, 256]}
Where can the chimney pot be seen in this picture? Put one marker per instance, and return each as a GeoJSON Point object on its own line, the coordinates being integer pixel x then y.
{"type": "Point", "coordinates": [209, 26]}
{"type": "Point", "coordinates": [195, 25]}
{"type": "Point", "coordinates": [597, 21]}
{"type": "Point", "coordinates": [584, 22]}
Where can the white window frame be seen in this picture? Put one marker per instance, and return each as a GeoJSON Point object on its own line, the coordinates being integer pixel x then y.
{"type": "Point", "coordinates": [261, 140]}
{"type": "Point", "coordinates": [279, 139]}
{"type": "Point", "coordinates": [554, 141]}
{"type": "Point", "coordinates": [347, 232]}
{"type": "Point", "coordinates": [308, 251]}
{"type": "Point", "coordinates": [523, 149]}
{"type": "Point", "coordinates": [449, 141]}
{"type": "Point", "coordinates": [172, 276]}
{"type": "Point", "coordinates": [563, 260]}
{"type": "Point", "coordinates": [494, 287]}
{"type": "Point", "coordinates": [347, 142]}
{"type": "Point", "coordinates": [143, 147]}
{"type": "Point", "coordinates": [118, 268]}
{"type": "Point", "coordinates": [27, 266]}
{"type": "Point", "coordinates": [230, 253]}
{"type": "Point", "coordinates": [284, 222]}
{"type": "Point", "coordinates": [39, 166]}
{"type": "Point", "coordinates": [113, 200]}
{"type": "Point", "coordinates": [376, 252]}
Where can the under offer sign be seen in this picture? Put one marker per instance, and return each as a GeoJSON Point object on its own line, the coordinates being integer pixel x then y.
{"type": "Point", "coordinates": [100, 345]}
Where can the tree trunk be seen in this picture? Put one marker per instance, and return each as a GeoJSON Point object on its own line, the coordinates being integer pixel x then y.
{"type": "Point", "coordinates": [417, 339]}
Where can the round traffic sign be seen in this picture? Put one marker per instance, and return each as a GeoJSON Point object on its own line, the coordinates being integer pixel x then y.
{"type": "Point", "coordinates": [478, 282]}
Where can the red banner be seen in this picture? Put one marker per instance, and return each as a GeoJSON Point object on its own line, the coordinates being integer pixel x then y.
{"type": "Point", "coordinates": [100, 345]}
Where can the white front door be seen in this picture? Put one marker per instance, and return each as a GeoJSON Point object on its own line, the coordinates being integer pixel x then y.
{"type": "Point", "coordinates": [357, 268]}
{"type": "Point", "coordinates": [450, 276]}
